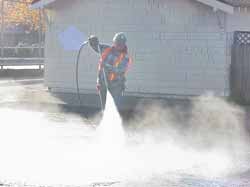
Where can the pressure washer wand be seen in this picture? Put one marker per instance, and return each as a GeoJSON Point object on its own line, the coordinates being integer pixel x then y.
{"type": "Point", "coordinates": [105, 80]}
{"type": "Point", "coordinates": [104, 74]}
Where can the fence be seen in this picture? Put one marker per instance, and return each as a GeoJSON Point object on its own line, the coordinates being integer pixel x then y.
{"type": "Point", "coordinates": [22, 55]}
{"type": "Point", "coordinates": [240, 67]}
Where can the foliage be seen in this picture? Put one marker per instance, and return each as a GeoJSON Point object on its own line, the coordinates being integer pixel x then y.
{"type": "Point", "coordinates": [18, 13]}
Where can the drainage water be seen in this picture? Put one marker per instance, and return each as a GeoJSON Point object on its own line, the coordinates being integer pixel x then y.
{"type": "Point", "coordinates": [36, 150]}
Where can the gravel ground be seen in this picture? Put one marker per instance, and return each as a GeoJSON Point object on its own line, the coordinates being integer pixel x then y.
{"type": "Point", "coordinates": [31, 94]}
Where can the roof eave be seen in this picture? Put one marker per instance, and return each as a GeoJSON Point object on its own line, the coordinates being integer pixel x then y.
{"type": "Point", "coordinates": [217, 5]}
{"type": "Point", "coordinates": [41, 4]}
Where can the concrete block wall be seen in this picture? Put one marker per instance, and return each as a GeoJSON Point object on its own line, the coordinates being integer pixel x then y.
{"type": "Point", "coordinates": [177, 46]}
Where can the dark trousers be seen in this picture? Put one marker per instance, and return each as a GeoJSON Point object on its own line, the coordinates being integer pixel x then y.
{"type": "Point", "coordinates": [115, 90]}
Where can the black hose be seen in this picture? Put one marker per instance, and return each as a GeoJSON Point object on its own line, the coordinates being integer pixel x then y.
{"type": "Point", "coordinates": [77, 71]}
{"type": "Point", "coordinates": [77, 75]}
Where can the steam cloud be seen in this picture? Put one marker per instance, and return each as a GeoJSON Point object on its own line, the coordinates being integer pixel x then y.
{"type": "Point", "coordinates": [207, 139]}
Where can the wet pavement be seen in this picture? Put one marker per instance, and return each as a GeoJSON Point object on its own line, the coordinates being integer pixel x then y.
{"type": "Point", "coordinates": [31, 94]}
{"type": "Point", "coordinates": [187, 181]}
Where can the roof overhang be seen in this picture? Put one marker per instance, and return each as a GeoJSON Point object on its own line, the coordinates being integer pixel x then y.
{"type": "Point", "coordinates": [40, 3]}
{"type": "Point", "coordinates": [217, 5]}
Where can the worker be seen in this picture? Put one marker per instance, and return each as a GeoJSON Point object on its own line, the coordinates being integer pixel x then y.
{"type": "Point", "coordinates": [112, 67]}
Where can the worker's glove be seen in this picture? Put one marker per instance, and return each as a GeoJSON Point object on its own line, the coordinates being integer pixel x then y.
{"type": "Point", "coordinates": [98, 87]}
{"type": "Point", "coordinates": [93, 40]}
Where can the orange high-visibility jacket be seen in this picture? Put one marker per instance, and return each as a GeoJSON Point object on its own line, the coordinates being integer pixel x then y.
{"type": "Point", "coordinates": [115, 64]}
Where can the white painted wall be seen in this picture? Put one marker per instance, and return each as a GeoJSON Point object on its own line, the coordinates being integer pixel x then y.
{"type": "Point", "coordinates": [177, 46]}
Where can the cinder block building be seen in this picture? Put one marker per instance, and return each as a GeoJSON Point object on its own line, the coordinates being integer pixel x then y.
{"type": "Point", "coordinates": [178, 47]}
